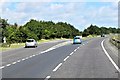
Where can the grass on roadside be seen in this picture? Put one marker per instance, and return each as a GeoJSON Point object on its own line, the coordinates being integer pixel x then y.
{"type": "Point", "coordinates": [114, 40]}
{"type": "Point", "coordinates": [116, 37]}
{"type": "Point", "coordinates": [18, 45]}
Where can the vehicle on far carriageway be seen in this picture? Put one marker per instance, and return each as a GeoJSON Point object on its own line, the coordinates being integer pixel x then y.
{"type": "Point", "coordinates": [30, 43]}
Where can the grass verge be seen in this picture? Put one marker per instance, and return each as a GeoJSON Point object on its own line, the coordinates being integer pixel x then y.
{"type": "Point", "coordinates": [19, 45]}
{"type": "Point", "coordinates": [115, 40]}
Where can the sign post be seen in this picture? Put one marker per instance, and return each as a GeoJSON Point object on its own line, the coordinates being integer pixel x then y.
{"type": "Point", "coordinates": [4, 40]}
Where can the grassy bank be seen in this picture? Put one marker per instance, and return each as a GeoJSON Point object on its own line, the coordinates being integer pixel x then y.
{"type": "Point", "coordinates": [19, 45]}
{"type": "Point", "coordinates": [115, 40]}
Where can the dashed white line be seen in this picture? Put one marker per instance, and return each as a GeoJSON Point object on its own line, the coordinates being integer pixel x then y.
{"type": "Point", "coordinates": [27, 58]}
{"type": "Point", "coordinates": [115, 65]}
{"type": "Point", "coordinates": [57, 67]}
{"type": "Point", "coordinates": [33, 55]}
{"type": "Point", "coordinates": [8, 65]}
{"type": "Point", "coordinates": [71, 53]}
{"type": "Point", "coordinates": [78, 47]}
{"type": "Point", "coordinates": [23, 59]}
{"type": "Point", "coordinates": [14, 62]}
{"type": "Point", "coordinates": [66, 58]}
{"type": "Point", "coordinates": [30, 56]}
{"type": "Point", "coordinates": [2, 67]}
{"type": "Point", "coordinates": [75, 50]}
{"type": "Point", "coordinates": [48, 77]}
{"type": "Point", "coordinates": [36, 54]}
{"type": "Point", "coordinates": [19, 61]}
{"type": "Point", "coordinates": [42, 52]}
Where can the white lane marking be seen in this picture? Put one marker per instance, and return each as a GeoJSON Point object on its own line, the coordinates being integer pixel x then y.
{"type": "Point", "coordinates": [8, 65]}
{"type": "Point", "coordinates": [2, 67]}
{"type": "Point", "coordinates": [30, 56]}
{"type": "Point", "coordinates": [42, 52]}
{"type": "Point", "coordinates": [71, 53]}
{"type": "Point", "coordinates": [66, 58]}
{"type": "Point", "coordinates": [115, 65]}
{"type": "Point", "coordinates": [75, 50]}
{"type": "Point", "coordinates": [19, 61]}
{"type": "Point", "coordinates": [14, 62]}
{"type": "Point", "coordinates": [78, 47]}
{"type": "Point", "coordinates": [57, 67]}
{"type": "Point", "coordinates": [33, 55]}
{"type": "Point", "coordinates": [83, 44]}
{"type": "Point", "coordinates": [48, 77]}
{"type": "Point", "coordinates": [36, 54]}
{"type": "Point", "coordinates": [27, 58]}
{"type": "Point", "coordinates": [52, 48]}
{"type": "Point", "coordinates": [23, 59]}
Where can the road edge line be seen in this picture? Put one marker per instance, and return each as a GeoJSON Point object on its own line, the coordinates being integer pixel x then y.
{"type": "Point", "coordinates": [114, 64]}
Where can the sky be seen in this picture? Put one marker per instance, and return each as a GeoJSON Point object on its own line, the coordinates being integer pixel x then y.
{"type": "Point", "coordinates": [79, 13]}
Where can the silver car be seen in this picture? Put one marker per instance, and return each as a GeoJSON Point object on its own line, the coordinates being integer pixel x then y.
{"type": "Point", "coordinates": [30, 43]}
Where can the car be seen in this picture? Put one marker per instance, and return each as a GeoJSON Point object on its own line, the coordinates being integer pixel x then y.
{"type": "Point", "coordinates": [77, 40]}
{"type": "Point", "coordinates": [102, 35]}
{"type": "Point", "coordinates": [30, 43]}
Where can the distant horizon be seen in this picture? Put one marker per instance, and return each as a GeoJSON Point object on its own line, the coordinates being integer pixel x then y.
{"type": "Point", "coordinates": [70, 24]}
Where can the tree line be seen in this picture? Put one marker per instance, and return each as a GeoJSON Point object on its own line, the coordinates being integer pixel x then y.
{"type": "Point", "coordinates": [95, 30]}
{"type": "Point", "coordinates": [47, 30]}
{"type": "Point", "coordinates": [37, 30]}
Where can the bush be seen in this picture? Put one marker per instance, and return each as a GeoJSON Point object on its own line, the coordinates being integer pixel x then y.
{"type": "Point", "coordinates": [5, 45]}
{"type": "Point", "coordinates": [115, 42]}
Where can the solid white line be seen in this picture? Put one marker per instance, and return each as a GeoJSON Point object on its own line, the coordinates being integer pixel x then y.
{"type": "Point", "coordinates": [8, 65]}
{"type": "Point", "coordinates": [66, 58]}
{"type": "Point", "coordinates": [14, 62]}
{"type": "Point", "coordinates": [2, 67]}
{"type": "Point", "coordinates": [71, 53]}
{"type": "Point", "coordinates": [115, 65]}
{"type": "Point", "coordinates": [57, 67]}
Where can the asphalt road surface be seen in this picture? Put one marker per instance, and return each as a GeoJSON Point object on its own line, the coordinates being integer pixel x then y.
{"type": "Point", "coordinates": [86, 60]}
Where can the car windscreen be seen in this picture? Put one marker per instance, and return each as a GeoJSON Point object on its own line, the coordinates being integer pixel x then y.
{"type": "Point", "coordinates": [76, 38]}
{"type": "Point", "coordinates": [30, 40]}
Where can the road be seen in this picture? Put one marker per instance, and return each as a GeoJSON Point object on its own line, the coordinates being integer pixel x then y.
{"type": "Point", "coordinates": [82, 61]}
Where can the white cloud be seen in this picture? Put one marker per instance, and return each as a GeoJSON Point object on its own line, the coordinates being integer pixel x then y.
{"type": "Point", "coordinates": [109, 0]}
{"type": "Point", "coordinates": [13, 16]}
{"type": "Point", "coordinates": [56, 6]}
{"type": "Point", "coordinates": [78, 14]}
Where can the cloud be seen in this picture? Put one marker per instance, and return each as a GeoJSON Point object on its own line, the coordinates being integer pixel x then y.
{"type": "Point", "coordinates": [79, 14]}
{"type": "Point", "coordinates": [56, 6]}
